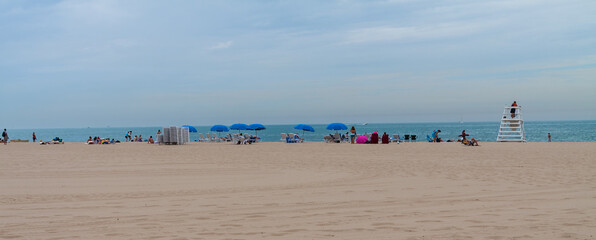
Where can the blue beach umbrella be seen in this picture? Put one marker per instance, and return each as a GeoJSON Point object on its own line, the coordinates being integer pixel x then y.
{"type": "Point", "coordinates": [256, 127]}
{"type": "Point", "coordinates": [190, 128]}
{"type": "Point", "coordinates": [304, 127]}
{"type": "Point", "coordinates": [337, 126]}
{"type": "Point", "coordinates": [219, 128]}
{"type": "Point", "coordinates": [239, 126]}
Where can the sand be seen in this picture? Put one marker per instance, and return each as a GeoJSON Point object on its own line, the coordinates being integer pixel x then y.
{"type": "Point", "coordinates": [298, 191]}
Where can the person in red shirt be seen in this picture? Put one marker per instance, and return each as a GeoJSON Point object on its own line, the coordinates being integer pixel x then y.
{"type": "Point", "coordinates": [514, 104]}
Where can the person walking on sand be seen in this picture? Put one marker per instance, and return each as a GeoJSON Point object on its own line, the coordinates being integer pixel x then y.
{"type": "Point", "coordinates": [352, 135]}
{"type": "Point", "coordinates": [548, 137]}
{"type": "Point", "coordinates": [34, 137]}
{"type": "Point", "coordinates": [5, 136]}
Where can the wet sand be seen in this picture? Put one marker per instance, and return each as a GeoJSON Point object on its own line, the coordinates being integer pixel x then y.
{"type": "Point", "coordinates": [298, 191]}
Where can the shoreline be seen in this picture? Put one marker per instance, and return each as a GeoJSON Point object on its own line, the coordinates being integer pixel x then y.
{"type": "Point", "coordinates": [562, 131]}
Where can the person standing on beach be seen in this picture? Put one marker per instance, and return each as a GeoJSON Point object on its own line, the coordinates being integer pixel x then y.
{"type": "Point", "coordinates": [34, 137]}
{"type": "Point", "coordinates": [548, 137]}
{"type": "Point", "coordinates": [436, 136]}
{"type": "Point", "coordinates": [352, 135]}
{"type": "Point", "coordinates": [463, 135]}
{"type": "Point", "coordinates": [514, 104]}
{"type": "Point", "coordinates": [5, 136]}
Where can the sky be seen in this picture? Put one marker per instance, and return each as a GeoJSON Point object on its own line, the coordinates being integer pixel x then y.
{"type": "Point", "coordinates": [161, 63]}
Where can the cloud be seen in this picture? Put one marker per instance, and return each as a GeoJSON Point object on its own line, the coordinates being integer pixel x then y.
{"type": "Point", "coordinates": [222, 45]}
{"type": "Point", "coordinates": [437, 31]}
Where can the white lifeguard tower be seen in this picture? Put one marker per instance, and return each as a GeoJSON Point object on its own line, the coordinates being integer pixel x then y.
{"type": "Point", "coordinates": [512, 126]}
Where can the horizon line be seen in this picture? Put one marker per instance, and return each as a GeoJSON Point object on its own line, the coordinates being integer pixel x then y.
{"type": "Point", "coordinates": [286, 124]}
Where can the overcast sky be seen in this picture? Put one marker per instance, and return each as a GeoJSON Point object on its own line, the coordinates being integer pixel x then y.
{"type": "Point", "coordinates": [158, 63]}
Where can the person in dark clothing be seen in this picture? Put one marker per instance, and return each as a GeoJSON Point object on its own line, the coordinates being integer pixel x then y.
{"type": "Point", "coordinates": [374, 138]}
{"type": "Point", "coordinates": [385, 138]}
{"type": "Point", "coordinates": [5, 137]}
{"type": "Point", "coordinates": [514, 104]}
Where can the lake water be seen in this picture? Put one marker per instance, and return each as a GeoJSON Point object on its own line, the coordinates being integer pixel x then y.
{"type": "Point", "coordinates": [561, 131]}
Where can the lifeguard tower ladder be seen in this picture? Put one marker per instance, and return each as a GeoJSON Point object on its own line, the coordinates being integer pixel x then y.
{"type": "Point", "coordinates": [512, 126]}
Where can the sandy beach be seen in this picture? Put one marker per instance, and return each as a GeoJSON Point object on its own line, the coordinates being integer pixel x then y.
{"type": "Point", "coordinates": [298, 191]}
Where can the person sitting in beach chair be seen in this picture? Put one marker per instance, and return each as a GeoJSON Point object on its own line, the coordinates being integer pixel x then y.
{"type": "Point", "coordinates": [227, 138]}
{"type": "Point", "coordinates": [292, 138]}
{"type": "Point", "coordinates": [242, 139]}
{"type": "Point", "coordinates": [385, 138]}
{"type": "Point", "coordinates": [297, 138]}
{"type": "Point", "coordinates": [374, 138]}
{"type": "Point", "coordinates": [332, 139]}
{"type": "Point", "coordinates": [337, 138]}
{"type": "Point", "coordinates": [251, 139]}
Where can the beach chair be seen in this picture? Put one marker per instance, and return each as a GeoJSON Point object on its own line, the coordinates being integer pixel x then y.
{"type": "Point", "coordinates": [202, 138]}
{"type": "Point", "coordinates": [413, 138]}
{"type": "Point", "coordinates": [289, 138]}
{"type": "Point", "coordinates": [337, 138]}
{"type": "Point", "coordinates": [345, 138]}
{"type": "Point", "coordinates": [214, 137]}
{"type": "Point", "coordinates": [328, 139]}
{"type": "Point", "coordinates": [242, 139]}
{"type": "Point", "coordinates": [395, 138]}
{"type": "Point", "coordinates": [283, 137]}
{"type": "Point", "coordinates": [406, 137]}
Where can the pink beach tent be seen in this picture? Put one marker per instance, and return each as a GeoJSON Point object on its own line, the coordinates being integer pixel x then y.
{"type": "Point", "coordinates": [361, 139]}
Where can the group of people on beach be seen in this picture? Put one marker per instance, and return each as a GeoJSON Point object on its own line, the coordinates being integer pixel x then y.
{"type": "Point", "coordinates": [462, 138]}
{"type": "Point", "coordinates": [55, 140]}
{"type": "Point", "coordinates": [128, 137]}
{"type": "Point", "coordinates": [373, 138]}
{"type": "Point", "coordinates": [98, 140]}
{"type": "Point", "coordinates": [352, 136]}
